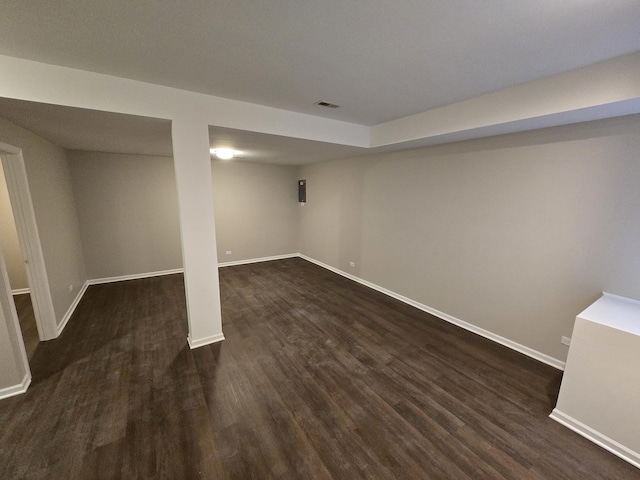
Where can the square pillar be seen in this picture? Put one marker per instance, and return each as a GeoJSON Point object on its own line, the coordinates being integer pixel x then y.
{"type": "Point", "coordinates": [192, 163]}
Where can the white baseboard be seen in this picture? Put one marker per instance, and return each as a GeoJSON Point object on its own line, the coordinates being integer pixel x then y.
{"type": "Point", "coordinates": [542, 357]}
{"type": "Point", "coordinates": [201, 342]}
{"type": "Point", "coordinates": [596, 437]}
{"type": "Point", "coordinates": [16, 389]}
{"type": "Point", "coordinates": [20, 291]}
{"type": "Point", "coordinates": [135, 276]}
{"type": "Point", "coordinates": [72, 308]}
{"type": "Point", "coordinates": [257, 260]}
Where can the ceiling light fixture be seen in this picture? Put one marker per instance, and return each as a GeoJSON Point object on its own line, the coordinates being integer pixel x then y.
{"type": "Point", "coordinates": [224, 153]}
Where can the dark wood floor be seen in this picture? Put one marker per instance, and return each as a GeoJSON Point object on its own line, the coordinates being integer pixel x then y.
{"type": "Point", "coordinates": [318, 378]}
{"type": "Point", "coordinates": [27, 323]}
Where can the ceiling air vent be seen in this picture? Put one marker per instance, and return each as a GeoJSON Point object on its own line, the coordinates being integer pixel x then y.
{"type": "Point", "coordinates": [327, 104]}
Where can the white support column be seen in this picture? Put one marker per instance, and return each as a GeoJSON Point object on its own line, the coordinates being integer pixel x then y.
{"type": "Point", "coordinates": [192, 163]}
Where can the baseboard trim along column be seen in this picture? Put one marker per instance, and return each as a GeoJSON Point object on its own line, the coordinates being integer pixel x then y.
{"type": "Point", "coordinates": [72, 308]}
{"type": "Point", "coordinates": [530, 352]}
{"type": "Point", "coordinates": [596, 437]}
{"type": "Point", "coordinates": [16, 389]}
{"type": "Point", "coordinates": [201, 342]}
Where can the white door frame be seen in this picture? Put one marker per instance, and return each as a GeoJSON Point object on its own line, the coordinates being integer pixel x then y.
{"type": "Point", "coordinates": [26, 226]}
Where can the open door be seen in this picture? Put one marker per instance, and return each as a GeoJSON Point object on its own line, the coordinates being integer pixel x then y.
{"type": "Point", "coordinates": [22, 206]}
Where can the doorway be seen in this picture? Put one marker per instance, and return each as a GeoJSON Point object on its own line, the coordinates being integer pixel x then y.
{"type": "Point", "coordinates": [39, 322]}
{"type": "Point", "coordinates": [16, 271]}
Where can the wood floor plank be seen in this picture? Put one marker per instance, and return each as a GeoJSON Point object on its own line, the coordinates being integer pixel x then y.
{"type": "Point", "coordinates": [318, 378]}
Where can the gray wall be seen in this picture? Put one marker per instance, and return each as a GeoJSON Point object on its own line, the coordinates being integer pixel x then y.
{"type": "Point", "coordinates": [50, 184]}
{"type": "Point", "coordinates": [9, 244]}
{"type": "Point", "coordinates": [515, 234]}
{"type": "Point", "coordinates": [256, 209]}
{"type": "Point", "coordinates": [128, 213]}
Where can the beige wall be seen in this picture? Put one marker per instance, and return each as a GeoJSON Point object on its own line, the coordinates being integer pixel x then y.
{"type": "Point", "coordinates": [256, 209]}
{"type": "Point", "coordinates": [514, 234]}
{"type": "Point", "coordinates": [128, 213]}
{"type": "Point", "coordinates": [9, 244]}
{"type": "Point", "coordinates": [51, 192]}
